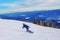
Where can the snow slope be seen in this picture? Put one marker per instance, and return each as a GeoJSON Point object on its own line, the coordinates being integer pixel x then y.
{"type": "Point", "coordinates": [12, 30]}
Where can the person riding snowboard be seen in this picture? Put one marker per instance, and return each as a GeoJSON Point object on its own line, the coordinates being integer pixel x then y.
{"type": "Point", "coordinates": [27, 28]}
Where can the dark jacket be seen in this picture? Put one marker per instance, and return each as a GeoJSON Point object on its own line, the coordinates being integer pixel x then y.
{"type": "Point", "coordinates": [25, 26]}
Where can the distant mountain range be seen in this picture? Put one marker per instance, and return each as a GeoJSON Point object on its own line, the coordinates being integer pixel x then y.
{"type": "Point", "coordinates": [30, 15]}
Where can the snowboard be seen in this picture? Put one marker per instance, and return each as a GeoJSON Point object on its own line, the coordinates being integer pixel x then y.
{"type": "Point", "coordinates": [30, 31]}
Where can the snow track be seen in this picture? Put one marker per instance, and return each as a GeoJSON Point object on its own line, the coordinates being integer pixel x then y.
{"type": "Point", "coordinates": [12, 30]}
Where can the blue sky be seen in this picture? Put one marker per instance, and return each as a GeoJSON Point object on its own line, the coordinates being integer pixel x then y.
{"type": "Point", "coordinates": [10, 1]}
{"type": "Point", "coordinates": [28, 5]}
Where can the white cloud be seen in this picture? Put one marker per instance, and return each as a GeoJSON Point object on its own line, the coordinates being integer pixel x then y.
{"type": "Point", "coordinates": [30, 5]}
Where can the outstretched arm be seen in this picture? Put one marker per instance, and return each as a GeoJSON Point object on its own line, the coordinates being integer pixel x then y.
{"type": "Point", "coordinates": [23, 27]}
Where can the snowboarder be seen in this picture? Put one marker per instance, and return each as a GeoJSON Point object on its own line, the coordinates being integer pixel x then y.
{"type": "Point", "coordinates": [27, 28]}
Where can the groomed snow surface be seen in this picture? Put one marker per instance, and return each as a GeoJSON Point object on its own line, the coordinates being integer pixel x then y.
{"type": "Point", "coordinates": [12, 30]}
